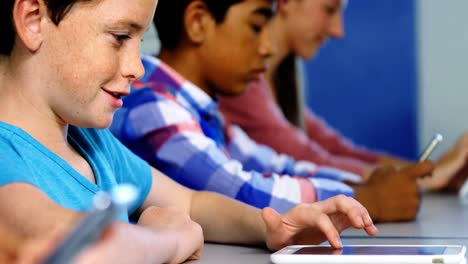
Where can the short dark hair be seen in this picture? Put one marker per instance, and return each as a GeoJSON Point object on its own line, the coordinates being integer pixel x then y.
{"type": "Point", "coordinates": [57, 10]}
{"type": "Point", "coordinates": [169, 18]}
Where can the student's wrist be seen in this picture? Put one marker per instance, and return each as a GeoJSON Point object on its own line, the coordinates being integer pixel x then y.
{"type": "Point", "coordinates": [146, 245]}
{"type": "Point", "coordinates": [161, 247]}
{"type": "Point", "coordinates": [261, 231]}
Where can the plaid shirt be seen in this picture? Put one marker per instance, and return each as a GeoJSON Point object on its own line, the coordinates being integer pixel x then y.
{"type": "Point", "coordinates": [177, 128]}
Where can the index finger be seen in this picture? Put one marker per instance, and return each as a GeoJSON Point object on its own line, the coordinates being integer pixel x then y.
{"type": "Point", "coordinates": [326, 226]}
{"type": "Point", "coordinates": [418, 170]}
{"type": "Point", "coordinates": [356, 213]}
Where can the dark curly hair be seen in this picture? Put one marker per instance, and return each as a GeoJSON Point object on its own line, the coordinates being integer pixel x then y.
{"type": "Point", "coordinates": [170, 14]}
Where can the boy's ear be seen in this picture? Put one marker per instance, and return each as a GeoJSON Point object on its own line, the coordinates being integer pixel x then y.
{"type": "Point", "coordinates": [28, 16]}
{"type": "Point", "coordinates": [197, 21]}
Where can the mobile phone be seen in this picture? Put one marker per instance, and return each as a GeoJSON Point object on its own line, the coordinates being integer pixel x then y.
{"type": "Point", "coordinates": [105, 209]}
{"type": "Point", "coordinates": [366, 254]}
{"type": "Point", "coordinates": [430, 147]}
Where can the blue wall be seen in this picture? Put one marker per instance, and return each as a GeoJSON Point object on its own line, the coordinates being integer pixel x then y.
{"type": "Point", "coordinates": [366, 85]}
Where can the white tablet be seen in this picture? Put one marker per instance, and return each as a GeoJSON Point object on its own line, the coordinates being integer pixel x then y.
{"type": "Point", "coordinates": [366, 254]}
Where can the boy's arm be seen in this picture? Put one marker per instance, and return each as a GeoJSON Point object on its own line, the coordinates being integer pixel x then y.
{"type": "Point", "coordinates": [195, 160]}
{"type": "Point", "coordinates": [168, 137]}
{"type": "Point", "coordinates": [31, 214]}
{"type": "Point", "coordinates": [266, 125]}
{"type": "Point", "coordinates": [228, 221]}
{"type": "Point", "coordinates": [216, 213]}
{"type": "Point", "coordinates": [262, 158]}
{"type": "Point", "coordinates": [9, 244]}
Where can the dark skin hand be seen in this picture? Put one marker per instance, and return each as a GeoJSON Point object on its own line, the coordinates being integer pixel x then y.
{"type": "Point", "coordinates": [393, 195]}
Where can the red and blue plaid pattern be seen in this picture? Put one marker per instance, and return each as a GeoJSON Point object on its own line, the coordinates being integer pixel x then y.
{"type": "Point", "coordinates": [177, 128]}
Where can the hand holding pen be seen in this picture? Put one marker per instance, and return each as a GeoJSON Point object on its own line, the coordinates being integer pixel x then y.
{"type": "Point", "coordinates": [430, 147]}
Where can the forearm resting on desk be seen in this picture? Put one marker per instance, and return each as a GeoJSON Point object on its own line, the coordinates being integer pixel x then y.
{"type": "Point", "coordinates": [228, 221]}
{"type": "Point", "coordinates": [225, 220]}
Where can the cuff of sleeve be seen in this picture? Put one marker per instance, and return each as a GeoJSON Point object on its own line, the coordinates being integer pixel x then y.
{"type": "Point", "coordinates": [145, 188]}
{"type": "Point", "coordinates": [326, 188]}
{"type": "Point", "coordinates": [308, 193]}
{"type": "Point", "coordinates": [336, 175]}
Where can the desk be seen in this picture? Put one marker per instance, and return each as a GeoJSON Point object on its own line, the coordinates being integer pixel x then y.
{"type": "Point", "coordinates": [442, 220]}
{"type": "Point", "coordinates": [217, 254]}
{"type": "Point", "coordinates": [441, 215]}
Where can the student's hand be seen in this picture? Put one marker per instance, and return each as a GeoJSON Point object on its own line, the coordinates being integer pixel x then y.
{"type": "Point", "coordinates": [388, 160]}
{"type": "Point", "coordinates": [457, 181]}
{"type": "Point", "coordinates": [316, 222]}
{"type": "Point", "coordinates": [451, 170]}
{"type": "Point", "coordinates": [190, 235]}
{"type": "Point", "coordinates": [392, 195]}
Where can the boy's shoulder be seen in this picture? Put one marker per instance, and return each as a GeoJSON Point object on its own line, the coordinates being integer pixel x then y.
{"type": "Point", "coordinates": [158, 73]}
{"type": "Point", "coordinates": [149, 109]}
{"type": "Point", "coordinates": [159, 83]}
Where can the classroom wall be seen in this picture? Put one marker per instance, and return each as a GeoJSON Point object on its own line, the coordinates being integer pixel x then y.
{"type": "Point", "coordinates": [150, 43]}
{"type": "Point", "coordinates": [443, 69]}
{"type": "Point", "coordinates": [365, 85]}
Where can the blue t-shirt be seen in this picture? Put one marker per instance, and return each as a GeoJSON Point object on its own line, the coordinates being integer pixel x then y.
{"type": "Point", "coordinates": [24, 159]}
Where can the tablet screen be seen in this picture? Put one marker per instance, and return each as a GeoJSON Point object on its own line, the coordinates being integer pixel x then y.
{"type": "Point", "coordinates": [390, 250]}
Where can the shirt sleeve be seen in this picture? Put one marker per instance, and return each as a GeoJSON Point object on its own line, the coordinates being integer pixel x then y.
{"type": "Point", "coordinates": [318, 130]}
{"type": "Point", "coordinates": [169, 138]}
{"type": "Point", "coordinates": [268, 126]}
{"type": "Point", "coordinates": [9, 172]}
{"type": "Point", "coordinates": [128, 168]}
{"type": "Point", "coordinates": [264, 159]}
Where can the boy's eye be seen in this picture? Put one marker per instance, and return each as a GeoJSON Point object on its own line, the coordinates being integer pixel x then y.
{"type": "Point", "coordinates": [256, 28]}
{"type": "Point", "coordinates": [331, 10]}
{"type": "Point", "coordinates": [121, 37]}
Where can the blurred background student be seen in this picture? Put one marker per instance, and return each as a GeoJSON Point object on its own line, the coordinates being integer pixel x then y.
{"type": "Point", "coordinates": [280, 118]}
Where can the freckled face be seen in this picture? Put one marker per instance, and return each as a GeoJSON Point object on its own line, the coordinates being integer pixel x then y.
{"type": "Point", "coordinates": [91, 58]}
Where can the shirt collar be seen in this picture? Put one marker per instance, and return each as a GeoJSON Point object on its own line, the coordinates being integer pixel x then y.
{"type": "Point", "coordinates": [192, 94]}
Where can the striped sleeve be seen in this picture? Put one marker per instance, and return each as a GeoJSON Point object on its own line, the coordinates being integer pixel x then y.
{"type": "Point", "coordinates": [264, 159]}
{"type": "Point", "coordinates": [167, 136]}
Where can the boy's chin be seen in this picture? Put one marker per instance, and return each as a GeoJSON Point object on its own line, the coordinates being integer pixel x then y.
{"type": "Point", "coordinates": [235, 91]}
{"type": "Point", "coordinates": [101, 123]}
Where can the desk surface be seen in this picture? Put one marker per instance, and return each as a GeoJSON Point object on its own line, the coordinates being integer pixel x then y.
{"type": "Point", "coordinates": [442, 220]}
{"type": "Point", "coordinates": [235, 254]}
{"type": "Point", "coordinates": [441, 215]}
